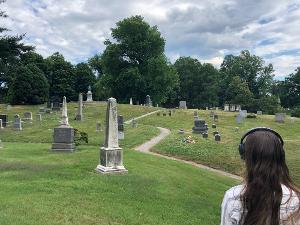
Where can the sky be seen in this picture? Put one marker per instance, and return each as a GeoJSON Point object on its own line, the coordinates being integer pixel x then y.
{"type": "Point", "coordinates": [204, 29]}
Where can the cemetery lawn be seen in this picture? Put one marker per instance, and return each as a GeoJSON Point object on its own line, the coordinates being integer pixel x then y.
{"type": "Point", "coordinates": [41, 187]}
{"type": "Point", "coordinates": [223, 155]}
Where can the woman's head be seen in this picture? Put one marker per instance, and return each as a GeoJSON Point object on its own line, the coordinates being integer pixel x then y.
{"type": "Point", "coordinates": [266, 171]}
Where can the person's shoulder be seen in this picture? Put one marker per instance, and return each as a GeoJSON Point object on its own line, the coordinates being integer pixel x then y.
{"type": "Point", "coordinates": [234, 193]}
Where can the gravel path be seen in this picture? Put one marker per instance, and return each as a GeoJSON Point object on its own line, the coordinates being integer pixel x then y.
{"type": "Point", "coordinates": [136, 118]}
{"type": "Point", "coordinates": [147, 146]}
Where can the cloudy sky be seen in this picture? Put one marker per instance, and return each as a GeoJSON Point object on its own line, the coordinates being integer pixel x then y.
{"type": "Point", "coordinates": [205, 29]}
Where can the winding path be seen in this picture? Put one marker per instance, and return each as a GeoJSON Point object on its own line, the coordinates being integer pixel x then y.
{"type": "Point", "coordinates": [164, 132]}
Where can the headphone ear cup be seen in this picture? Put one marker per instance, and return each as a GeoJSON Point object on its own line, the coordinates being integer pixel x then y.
{"type": "Point", "coordinates": [242, 151]}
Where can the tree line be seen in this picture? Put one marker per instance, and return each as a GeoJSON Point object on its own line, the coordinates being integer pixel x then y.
{"type": "Point", "coordinates": [133, 65]}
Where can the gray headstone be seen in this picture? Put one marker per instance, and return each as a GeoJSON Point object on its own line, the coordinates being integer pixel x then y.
{"type": "Point", "coordinates": [17, 122]}
{"type": "Point", "coordinates": [1, 126]}
{"type": "Point", "coordinates": [120, 127]}
{"type": "Point", "coordinates": [259, 112]}
{"type": "Point", "coordinates": [111, 155]}
{"type": "Point", "coordinates": [39, 117]}
{"type": "Point", "coordinates": [133, 123]}
{"type": "Point", "coordinates": [243, 113]}
{"type": "Point", "coordinates": [27, 116]}
{"type": "Point", "coordinates": [182, 105]}
{"type": "Point", "coordinates": [200, 126]}
{"type": "Point", "coordinates": [280, 117]}
{"type": "Point", "coordinates": [79, 115]}
{"type": "Point", "coordinates": [239, 119]}
{"type": "Point", "coordinates": [217, 137]}
{"type": "Point", "coordinates": [226, 107]}
{"type": "Point", "coordinates": [4, 118]}
{"type": "Point", "coordinates": [8, 107]}
{"type": "Point", "coordinates": [148, 101]}
{"type": "Point", "coordinates": [232, 108]}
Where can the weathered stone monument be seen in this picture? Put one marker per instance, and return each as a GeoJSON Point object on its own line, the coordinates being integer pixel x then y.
{"type": "Point", "coordinates": [63, 137]}
{"type": "Point", "coordinates": [17, 122]}
{"type": "Point", "coordinates": [4, 119]}
{"type": "Point", "coordinates": [182, 105]}
{"type": "Point", "coordinates": [111, 155]}
{"type": "Point", "coordinates": [259, 113]}
{"type": "Point", "coordinates": [148, 101]}
{"type": "Point", "coordinates": [199, 126]}
{"type": "Point", "coordinates": [120, 127]}
{"type": "Point", "coordinates": [79, 115]}
{"type": "Point", "coordinates": [27, 116]}
{"type": "Point", "coordinates": [280, 117]}
{"type": "Point", "coordinates": [226, 107]}
{"type": "Point", "coordinates": [130, 101]}
{"type": "Point", "coordinates": [89, 95]}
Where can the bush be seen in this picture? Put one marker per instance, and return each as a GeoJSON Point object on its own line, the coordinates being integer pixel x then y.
{"type": "Point", "coordinates": [295, 112]}
{"type": "Point", "coordinates": [80, 137]}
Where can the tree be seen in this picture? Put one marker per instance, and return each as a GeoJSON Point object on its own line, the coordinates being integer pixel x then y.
{"type": "Point", "coordinates": [84, 77]}
{"type": "Point", "coordinates": [95, 63]}
{"type": "Point", "coordinates": [61, 77]}
{"type": "Point", "coordinates": [251, 69]}
{"type": "Point", "coordinates": [135, 64]}
{"type": "Point", "coordinates": [29, 86]}
{"type": "Point", "coordinates": [11, 49]}
{"type": "Point", "coordinates": [198, 82]}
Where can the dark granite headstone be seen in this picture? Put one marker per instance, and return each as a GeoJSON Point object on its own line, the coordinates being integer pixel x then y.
{"type": "Point", "coordinates": [63, 139]}
{"type": "Point", "coordinates": [199, 126]}
{"type": "Point", "coordinates": [218, 137]}
{"type": "Point", "coordinates": [56, 106]}
{"type": "Point", "coordinates": [120, 127]}
{"type": "Point", "coordinates": [205, 135]}
{"type": "Point", "coordinates": [4, 118]}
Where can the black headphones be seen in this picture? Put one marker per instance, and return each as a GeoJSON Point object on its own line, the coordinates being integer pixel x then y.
{"type": "Point", "coordinates": [242, 144]}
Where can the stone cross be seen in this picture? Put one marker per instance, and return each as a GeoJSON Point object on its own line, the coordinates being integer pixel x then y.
{"type": "Point", "coordinates": [64, 122]}
{"type": "Point", "coordinates": [111, 155]}
{"type": "Point", "coordinates": [79, 115]}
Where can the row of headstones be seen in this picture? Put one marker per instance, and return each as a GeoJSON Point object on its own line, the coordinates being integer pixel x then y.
{"type": "Point", "coordinates": [17, 120]}
{"type": "Point", "coordinates": [148, 101]}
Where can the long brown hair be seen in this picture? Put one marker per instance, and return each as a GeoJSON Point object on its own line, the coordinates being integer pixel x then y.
{"type": "Point", "coordinates": [266, 171]}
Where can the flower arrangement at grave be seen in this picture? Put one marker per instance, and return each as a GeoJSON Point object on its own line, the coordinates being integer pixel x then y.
{"type": "Point", "coordinates": [188, 140]}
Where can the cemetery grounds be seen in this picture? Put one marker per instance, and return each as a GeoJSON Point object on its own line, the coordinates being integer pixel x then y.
{"type": "Point", "coordinates": [41, 187]}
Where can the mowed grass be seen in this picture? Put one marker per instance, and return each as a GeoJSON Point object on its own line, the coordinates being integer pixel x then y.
{"type": "Point", "coordinates": [223, 155]}
{"type": "Point", "coordinates": [39, 187]}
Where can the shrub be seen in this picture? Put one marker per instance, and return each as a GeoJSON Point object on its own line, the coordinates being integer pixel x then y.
{"type": "Point", "coordinates": [251, 116]}
{"type": "Point", "coordinates": [80, 137]}
{"type": "Point", "coordinates": [295, 112]}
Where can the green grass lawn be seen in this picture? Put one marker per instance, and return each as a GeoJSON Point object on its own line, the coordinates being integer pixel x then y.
{"type": "Point", "coordinates": [223, 155]}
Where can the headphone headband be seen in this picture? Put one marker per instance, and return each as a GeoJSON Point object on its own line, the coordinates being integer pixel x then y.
{"type": "Point", "coordinates": [262, 129]}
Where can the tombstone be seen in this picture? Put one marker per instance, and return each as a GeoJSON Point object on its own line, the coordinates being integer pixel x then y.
{"type": "Point", "coordinates": [182, 105]}
{"type": "Point", "coordinates": [217, 137]}
{"type": "Point", "coordinates": [215, 132]}
{"type": "Point", "coordinates": [206, 108]}
{"type": "Point", "coordinates": [239, 119]}
{"type": "Point", "coordinates": [237, 108]}
{"type": "Point", "coordinates": [8, 107]}
{"type": "Point", "coordinates": [181, 131]}
{"type": "Point", "coordinates": [137, 103]}
{"type": "Point", "coordinates": [164, 113]}
{"type": "Point", "coordinates": [98, 127]}
{"type": "Point", "coordinates": [111, 155]}
{"type": "Point", "coordinates": [236, 129]}
{"type": "Point", "coordinates": [292, 119]}
{"type": "Point", "coordinates": [4, 119]}
{"type": "Point", "coordinates": [205, 135]}
{"type": "Point", "coordinates": [214, 126]}
{"type": "Point", "coordinates": [1, 145]}
{"type": "Point", "coordinates": [39, 117]}
{"type": "Point", "coordinates": [232, 108]}
{"type": "Point", "coordinates": [17, 122]}
{"type": "Point", "coordinates": [148, 101]}
{"type": "Point", "coordinates": [79, 115]}
{"type": "Point", "coordinates": [199, 126]}
{"type": "Point", "coordinates": [48, 111]}
{"type": "Point", "coordinates": [170, 113]}
{"type": "Point", "coordinates": [195, 113]}
{"type": "Point", "coordinates": [49, 105]}
{"type": "Point", "coordinates": [41, 110]}
{"type": "Point", "coordinates": [63, 137]}
{"type": "Point", "coordinates": [259, 113]}
{"type": "Point", "coordinates": [89, 95]}
{"type": "Point", "coordinates": [1, 126]}
{"type": "Point", "coordinates": [226, 107]}
{"type": "Point", "coordinates": [27, 116]}
{"type": "Point", "coordinates": [158, 113]}
{"type": "Point", "coordinates": [133, 123]}
{"type": "Point", "coordinates": [215, 118]}
{"type": "Point", "coordinates": [280, 117]}
{"type": "Point", "coordinates": [130, 101]}
{"type": "Point", "coordinates": [243, 113]}
{"type": "Point", "coordinates": [56, 106]}
{"type": "Point", "coordinates": [120, 127]}
{"type": "Point", "coordinates": [217, 108]}
{"type": "Point", "coordinates": [156, 105]}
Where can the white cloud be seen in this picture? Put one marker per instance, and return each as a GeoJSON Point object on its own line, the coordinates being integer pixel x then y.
{"type": "Point", "coordinates": [205, 29]}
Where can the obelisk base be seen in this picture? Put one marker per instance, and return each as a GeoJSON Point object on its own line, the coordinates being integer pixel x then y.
{"type": "Point", "coordinates": [111, 161]}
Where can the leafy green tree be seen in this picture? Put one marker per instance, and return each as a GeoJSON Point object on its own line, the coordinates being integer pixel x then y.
{"type": "Point", "coordinates": [84, 77]}
{"type": "Point", "coordinates": [29, 86]}
{"type": "Point", "coordinates": [135, 64]}
{"type": "Point", "coordinates": [198, 82]}
{"type": "Point", "coordinates": [238, 92]}
{"type": "Point", "coordinates": [95, 63]}
{"type": "Point", "coordinates": [61, 78]}
{"type": "Point", "coordinates": [251, 69]}
{"type": "Point", "coordinates": [11, 49]}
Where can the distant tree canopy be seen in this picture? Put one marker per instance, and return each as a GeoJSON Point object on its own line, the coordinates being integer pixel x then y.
{"type": "Point", "coordinates": [133, 65]}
